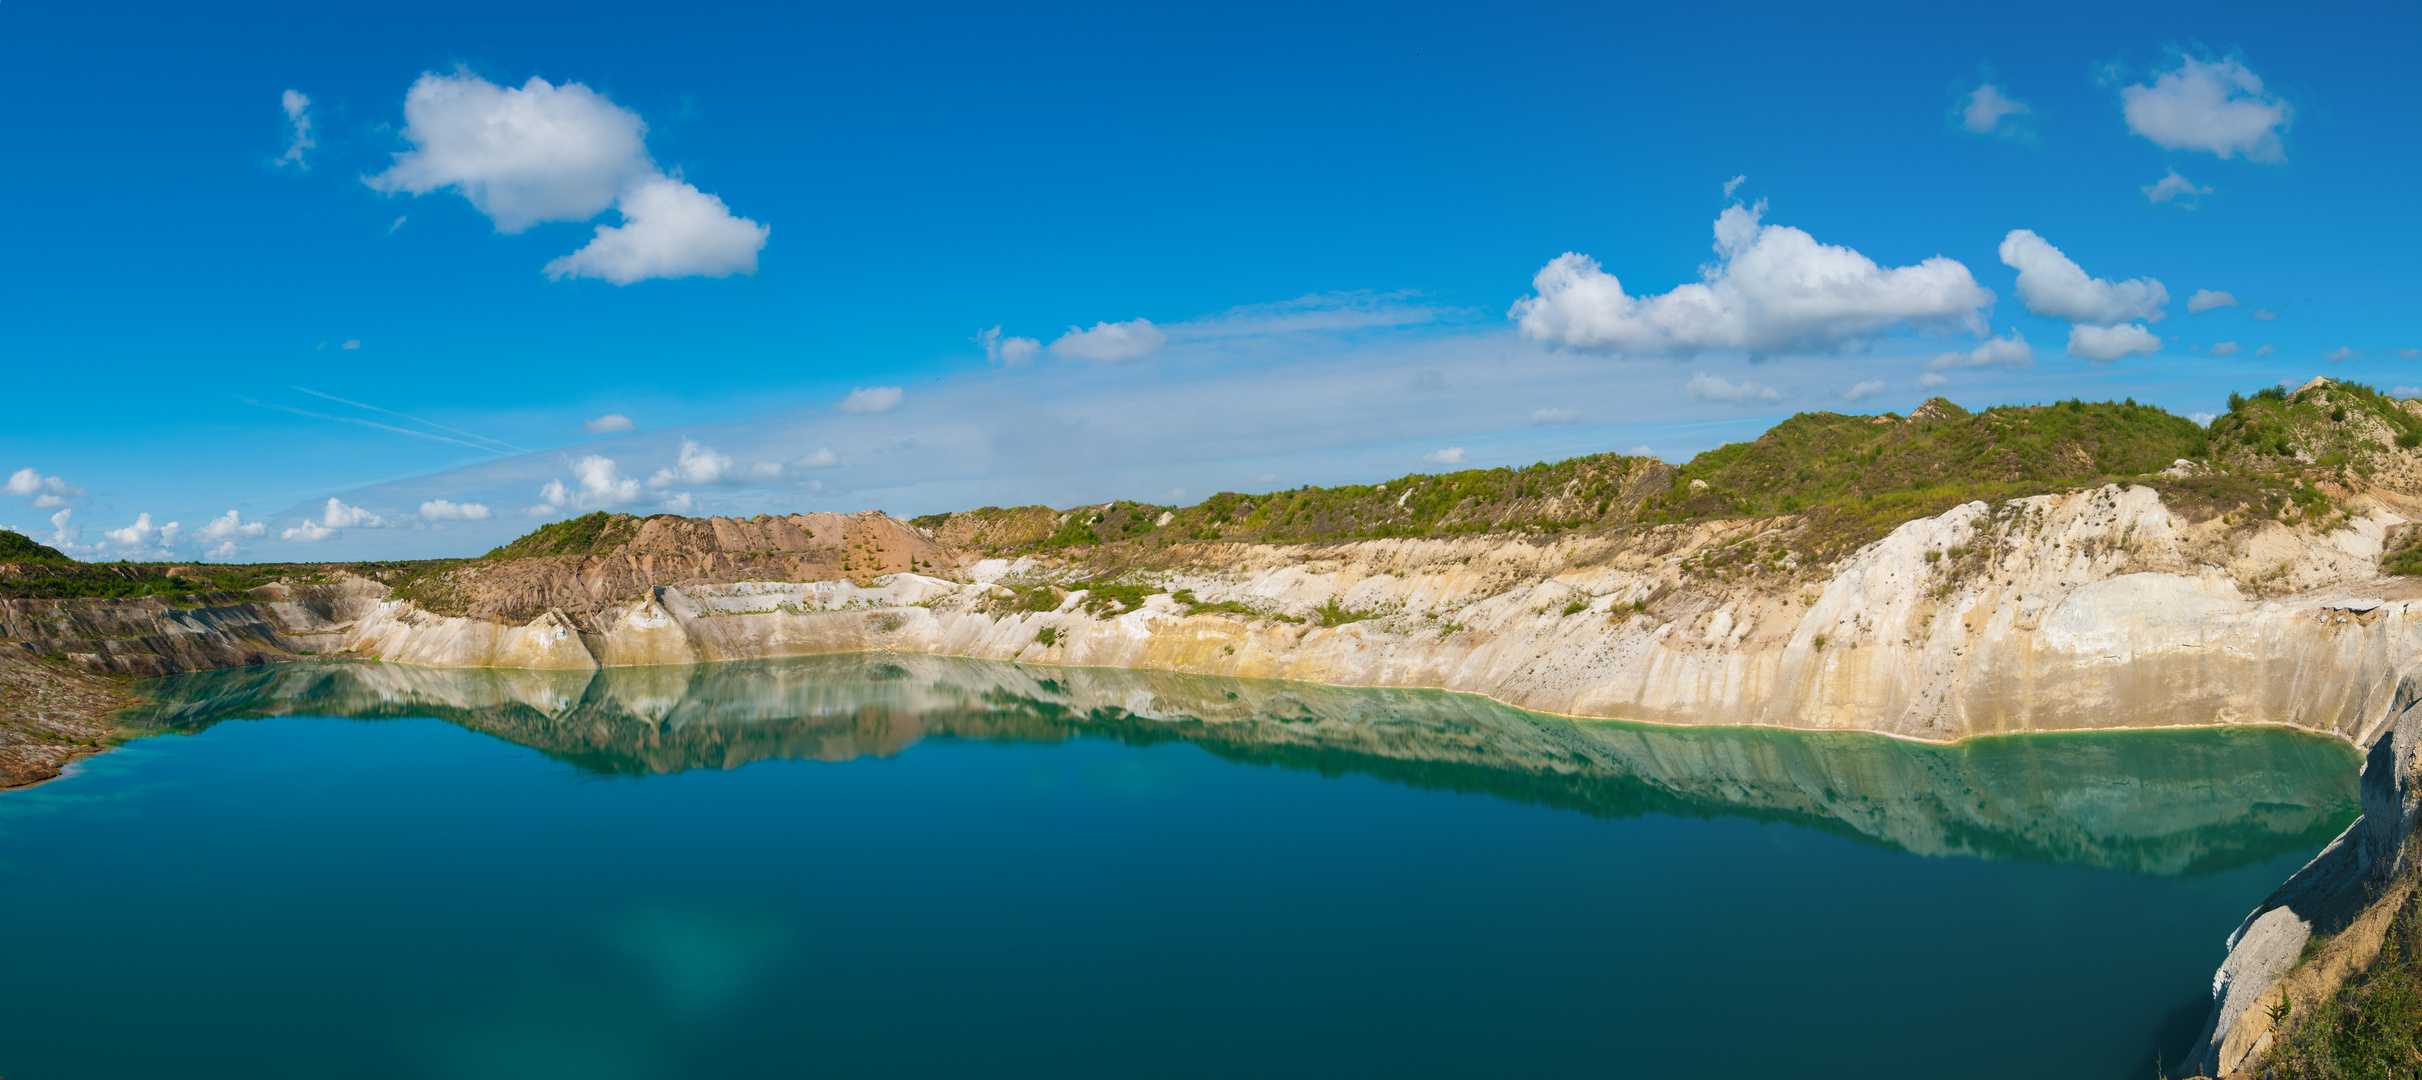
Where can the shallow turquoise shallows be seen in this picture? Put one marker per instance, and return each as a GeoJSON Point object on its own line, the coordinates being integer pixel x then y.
{"type": "Point", "coordinates": [910, 866]}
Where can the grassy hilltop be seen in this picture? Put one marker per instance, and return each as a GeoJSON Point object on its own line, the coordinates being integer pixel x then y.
{"type": "Point", "coordinates": [1847, 478]}
{"type": "Point", "coordinates": [1831, 481]}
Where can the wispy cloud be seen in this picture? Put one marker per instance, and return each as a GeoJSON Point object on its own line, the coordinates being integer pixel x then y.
{"type": "Point", "coordinates": [414, 419]}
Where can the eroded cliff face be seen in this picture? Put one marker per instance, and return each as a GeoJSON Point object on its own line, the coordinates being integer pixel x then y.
{"type": "Point", "coordinates": [2095, 609]}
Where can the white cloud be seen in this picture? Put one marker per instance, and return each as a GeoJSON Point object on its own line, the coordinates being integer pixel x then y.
{"type": "Point", "coordinates": [2341, 353]}
{"type": "Point", "coordinates": [1985, 108]}
{"type": "Point", "coordinates": [352, 345]}
{"type": "Point", "coordinates": [1007, 351]}
{"type": "Point", "coordinates": [48, 491]}
{"type": "Point", "coordinates": [1555, 417]}
{"type": "Point", "coordinates": [228, 527]}
{"type": "Point", "coordinates": [541, 152]}
{"type": "Point", "coordinates": [1706, 387]}
{"type": "Point", "coordinates": [1110, 342]}
{"type": "Point", "coordinates": [134, 538]}
{"type": "Point", "coordinates": [2407, 392]}
{"type": "Point", "coordinates": [65, 533]}
{"type": "Point", "coordinates": [1869, 388]}
{"type": "Point", "coordinates": [1773, 288]}
{"type": "Point", "coordinates": [2104, 344]}
{"type": "Point", "coordinates": [680, 504]}
{"type": "Point", "coordinates": [441, 510]}
{"type": "Point", "coordinates": [1734, 183]}
{"type": "Point", "coordinates": [602, 486]}
{"type": "Point", "coordinates": [2206, 299]}
{"type": "Point", "coordinates": [522, 156]}
{"type": "Point", "coordinates": [2265, 315]}
{"type": "Point", "coordinates": [822, 458]}
{"type": "Point", "coordinates": [338, 515]}
{"type": "Point", "coordinates": [1452, 455]}
{"type": "Point", "coordinates": [1932, 379]}
{"type": "Point", "coordinates": [2052, 285]}
{"type": "Point", "coordinates": [298, 120]}
{"type": "Point", "coordinates": [608, 422]}
{"type": "Point", "coordinates": [2203, 419]}
{"type": "Point", "coordinates": [225, 552]}
{"type": "Point", "coordinates": [2011, 352]}
{"type": "Point", "coordinates": [1641, 450]}
{"type": "Point", "coordinates": [2409, 354]}
{"type": "Point", "coordinates": [2215, 106]}
{"type": "Point", "coordinates": [698, 464]}
{"type": "Point", "coordinates": [2174, 188]}
{"type": "Point", "coordinates": [871, 399]}
{"type": "Point", "coordinates": [308, 532]}
{"type": "Point", "coordinates": [2225, 348]}
{"type": "Point", "coordinates": [2265, 351]}
{"type": "Point", "coordinates": [669, 229]}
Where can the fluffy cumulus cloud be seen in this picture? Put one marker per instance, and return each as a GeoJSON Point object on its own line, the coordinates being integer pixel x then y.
{"type": "Point", "coordinates": [1986, 107]}
{"type": "Point", "coordinates": [1869, 388]}
{"type": "Point", "coordinates": [669, 229]}
{"type": "Point", "coordinates": [701, 464]}
{"type": "Point", "coordinates": [2218, 107]}
{"type": "Point", "coordinates": [608, 423]}
{"type": "Point", "coordinates": [2206, 299]}
{"type": "Point", "coordinates": [2104, 344]}
{"type": "Point", "coordinates": [2225, 348]}
{"type": "Point", "coordinates": [1773, 288]}
{"type": "Point", "coordinates": [2265, 315]}
{"type": "Point", "coordinates": [1932, 379]}
{"type": "Point", "coordinates": [229, 526]}
{"type": "Point", "coordinates": [2342, 352]}
{"type": "Point", "coordinates": [442, 510]}
{"type": "Point", "coordinates": [679, 504]}
{"type": "Point", "coordinates": [872, 399]}
{"type": "Point", "coordinates": [1555, 417]}
{"type": "Point", "coordinates": [2174, 188]}
{"type": "Point", "coordinates": [1110, 342]}
{"type": "Point", "coordinates": [298, 128]}
{"type": "Point", "coordinates": [1706, 387]}
{"type": "Point", "coordinates": [337, 515]}
{"type": "Point", "coordinates": [46, 492]}
{"type": "Point", "coordinates": [2267, 350]}
{"type": "Point", "coordinates": [2011, 352]}
{"type": "Point", "coordinates": [143, 536]}
{"type": "Point", "coordinates": [2052, 285]}
{"type": "Point", "coordinates": [1452, 455]}
{"type": "Point", "coordinates": [597, 484]}
{"type": "Point", "coordinates": [1008, 351]}
{"type": "Point", "coordinates": [821, 458]}
{"type": "Point", "coordinates": [340, 515]}
{"type": "Point", "coordinates": [539, 153]}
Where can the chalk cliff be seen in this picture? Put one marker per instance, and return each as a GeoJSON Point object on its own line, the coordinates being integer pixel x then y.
{"type": "Point", "coordinates": [2099, 608]}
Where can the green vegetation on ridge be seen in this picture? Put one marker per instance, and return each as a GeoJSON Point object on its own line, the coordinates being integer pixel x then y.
{"type": "Point", "coordinates": [1846, 479]}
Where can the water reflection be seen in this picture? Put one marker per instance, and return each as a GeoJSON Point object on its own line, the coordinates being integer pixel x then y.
{"type": "Point", "coordinates": [2162, 803]}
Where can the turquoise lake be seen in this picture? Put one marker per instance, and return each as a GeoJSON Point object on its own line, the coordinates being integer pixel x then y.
{"type": "Point", "coordinates": [880, 866]}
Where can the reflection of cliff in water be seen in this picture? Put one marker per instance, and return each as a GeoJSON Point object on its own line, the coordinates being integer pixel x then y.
{"type": "Point", "coordinates": [2169, 802]}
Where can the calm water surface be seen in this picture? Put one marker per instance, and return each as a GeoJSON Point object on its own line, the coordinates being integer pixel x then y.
{"type": "Point", "coordinates": [911, 866]}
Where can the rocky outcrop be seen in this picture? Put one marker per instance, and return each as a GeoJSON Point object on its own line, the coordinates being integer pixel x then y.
{"type": "Point", "coordinates": [2091, 610]}
{"type": "Point", "coordinates": [51, 714]}
{"type": "Point", "coordinates": [2342, 902]}
{"type": "Point", "coordinates": [154, 636]}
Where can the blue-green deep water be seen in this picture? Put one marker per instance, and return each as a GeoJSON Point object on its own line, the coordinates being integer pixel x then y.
{"type": "Point", "coordinates": [915, 866]}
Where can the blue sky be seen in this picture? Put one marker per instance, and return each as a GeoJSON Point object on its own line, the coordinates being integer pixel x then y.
{"type": "Point", "coordinates": [1333, 222]}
